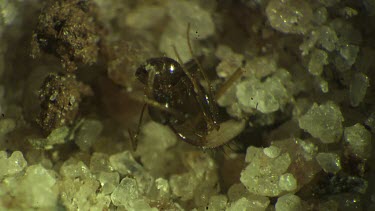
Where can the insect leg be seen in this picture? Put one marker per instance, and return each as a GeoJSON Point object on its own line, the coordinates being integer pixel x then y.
{"type": "Point", "coordinates": [134, 137]}
{"type": "Point", "coordinates": [197, 89]}
{"type": "Point", "coordinates": [228, 83]}
{"type": "Point", "coordinates": [210, 97]}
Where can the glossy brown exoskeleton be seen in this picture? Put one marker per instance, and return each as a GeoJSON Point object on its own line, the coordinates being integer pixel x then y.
{"type": "Point", "coordinates": [178, 100]}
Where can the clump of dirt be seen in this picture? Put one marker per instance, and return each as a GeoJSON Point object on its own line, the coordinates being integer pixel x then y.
{"type": "Point", "coordinates": [60, 96]}
{"type": "Point", "coordinates": [70, 30]}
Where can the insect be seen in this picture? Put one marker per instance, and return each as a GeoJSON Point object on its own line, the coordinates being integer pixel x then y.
{"type": "Point", "coordinates": [176, 98]}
